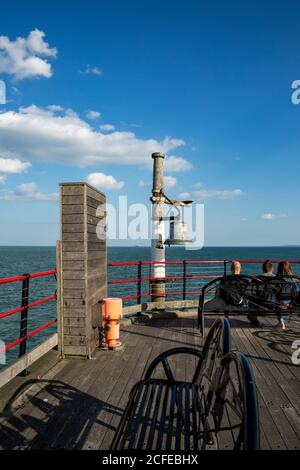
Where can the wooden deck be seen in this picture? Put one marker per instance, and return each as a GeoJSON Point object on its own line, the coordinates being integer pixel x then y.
{"type": "Point", "coordinates": [78, 404]}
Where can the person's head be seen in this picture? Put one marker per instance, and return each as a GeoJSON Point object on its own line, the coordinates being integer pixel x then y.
{"type": "Point", "coordinates": [284, 269]}
{"type": "Point", "coordinates": [267, 267]}
{"type": "Point", "coordinates": [236, 267]}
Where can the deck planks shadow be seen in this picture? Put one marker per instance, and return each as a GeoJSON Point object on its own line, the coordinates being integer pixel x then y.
{"type": "Point", "coordinates": [80, 406]}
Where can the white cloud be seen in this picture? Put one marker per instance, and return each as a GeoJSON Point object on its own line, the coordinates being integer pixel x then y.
{"type": "Point", "coordinates": [172, 164]}
{"type": "Point", "coordinates": [169, 182]}
{"type": "Point", "coordinates": [204, 194]}
{"type": "Point", "coordinates": [267, 216]}
{"type": "Point", "coordinates": [91, 70]}
{"type": "Point", "coordinates": [36, 111]}
{"type": "Point", "coordinates": [55, 107]}
{"type": "Point", "coordinates": [102, 181]}
{"type": "Point", "coordinates": [244, 219]}
{"type": "Point", "coordinates": [2, 179]}
{"type": "Point", "coordinates": [92, 114]}
{"type": "Point", "coordinates": [175, 164]}
{"type": "Point", "coordinates": [13, 165]}
{"type": "Point", "coordinates": [36, 134]}
{"type": "Point", "coordinates": [27, 188]}
{"type": "Point", "coordinates": [107, 127]}
{"type": "Point", "coordinates": [20, 58]}
{"type": "Point", "coordinates": [28, 192]}
{"type": "Point", "coordinates": [271, 216]}
{"type": "Point", "coordinates": [144, 184]}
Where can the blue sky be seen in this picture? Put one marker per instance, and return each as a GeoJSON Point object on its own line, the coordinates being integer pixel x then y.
{"type": "Point", "coordinates": [209, 82]}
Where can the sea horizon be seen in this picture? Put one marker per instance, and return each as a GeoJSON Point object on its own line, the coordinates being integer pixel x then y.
{"type": "Point", "coordinates": [292, 245]}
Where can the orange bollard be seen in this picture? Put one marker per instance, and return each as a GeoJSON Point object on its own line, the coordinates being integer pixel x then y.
{"type": "Point", "coordinates": [112, 312]}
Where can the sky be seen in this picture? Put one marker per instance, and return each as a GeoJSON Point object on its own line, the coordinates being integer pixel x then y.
{"type": "Point", "coordinates": [93, 88]}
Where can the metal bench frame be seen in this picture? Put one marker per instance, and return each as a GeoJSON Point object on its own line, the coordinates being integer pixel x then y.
{"type": "Point", "coordinates": [256, 304]}
{"type": "Point", "coordinates": [168, 414]}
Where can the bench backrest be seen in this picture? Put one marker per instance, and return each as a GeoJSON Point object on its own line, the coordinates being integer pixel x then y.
{"type": "Point", "coordinates": [278, 289]}
{"type": "Point", "coordinates": [232, 289]}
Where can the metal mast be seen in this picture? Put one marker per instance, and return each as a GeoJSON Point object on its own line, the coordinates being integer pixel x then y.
{"type": "Point", "coordinates": [158, 229]}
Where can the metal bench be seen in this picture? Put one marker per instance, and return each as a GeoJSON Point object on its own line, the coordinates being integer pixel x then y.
{"type": "Point", "coordinates": [258, 296]}
{"type": "Point", "coordinates": [216, 409]}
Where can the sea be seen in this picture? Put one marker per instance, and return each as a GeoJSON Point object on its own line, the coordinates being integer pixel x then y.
{"type": "Point", "coordinates": [16, 261]}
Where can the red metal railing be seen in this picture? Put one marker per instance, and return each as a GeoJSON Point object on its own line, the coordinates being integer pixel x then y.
{"type": "Point", "coordinates": [24, 308]}
{"type": "Point", "coordinates": [172, 278]}
{"type": "Point", "coordinates": [133, 285]}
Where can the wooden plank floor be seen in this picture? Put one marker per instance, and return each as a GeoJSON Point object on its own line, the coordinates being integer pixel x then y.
{"type": "Point", "coordinates": [78, 404]}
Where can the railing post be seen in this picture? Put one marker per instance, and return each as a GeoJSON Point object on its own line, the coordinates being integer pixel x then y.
{"type": "Point", "coordinates": [24, 317]}
{"type": "Point", "coordinates": [225, 267]}
{"type": "Point", "coordinates": [139, 283]}
{"type": "Point", "coordinates": [184, 281]}
{"type": "Point", "coordinates": [149, 282]}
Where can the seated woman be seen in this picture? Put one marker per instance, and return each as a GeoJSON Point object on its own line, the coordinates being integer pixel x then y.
{"type": "Point", "coordinates": [289, 290]}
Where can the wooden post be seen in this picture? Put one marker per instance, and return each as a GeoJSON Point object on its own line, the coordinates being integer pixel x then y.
{"type": "Point", "coordinates": [83, 276]}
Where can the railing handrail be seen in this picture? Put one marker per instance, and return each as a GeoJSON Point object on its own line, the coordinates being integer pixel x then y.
{"type": "Point", "coordinates": [165, 278]}
{"type": "Point", "coordinates": [136, 263]}
{"type": "Point", "coordinates": [24, 308]}
{"type": "Point", "coordinates": [31, 305]}
{"type": "Point", "coordinates": [7, 280]}
{"type": "Point", "coordinates": [28, 335]}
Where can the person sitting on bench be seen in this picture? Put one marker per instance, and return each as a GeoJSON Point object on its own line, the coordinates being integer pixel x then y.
{"type": "Point", "coordinates": [267, 272]}
{"type": "Point", "coordinates": [228, 295]}
{"type": "Point", "coordinates": [290, 289]}
{"type": "Point", "coordinates": [267, 269]}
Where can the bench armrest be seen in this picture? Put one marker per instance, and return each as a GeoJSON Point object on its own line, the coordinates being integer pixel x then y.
{"type": "Point", "coordinates": [163, 358]}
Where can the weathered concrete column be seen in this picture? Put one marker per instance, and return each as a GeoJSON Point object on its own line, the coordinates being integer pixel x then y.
{"type": "Point", "coordinates": [82, 272]}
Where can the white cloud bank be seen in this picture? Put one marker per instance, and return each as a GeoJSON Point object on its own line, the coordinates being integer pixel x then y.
{"type": "Point", "coordinates": [28, 192]}
{"type": "Point", "coordinates": [22, 58]}
{"type": "Point", "coordinates": [36, 134]}
{"type": "Point", "coordinates": [13, 165]}
{"type": "Point", "coordinates": [204, 194]}
{"type": "Point", "coordinates": [102, 181]}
